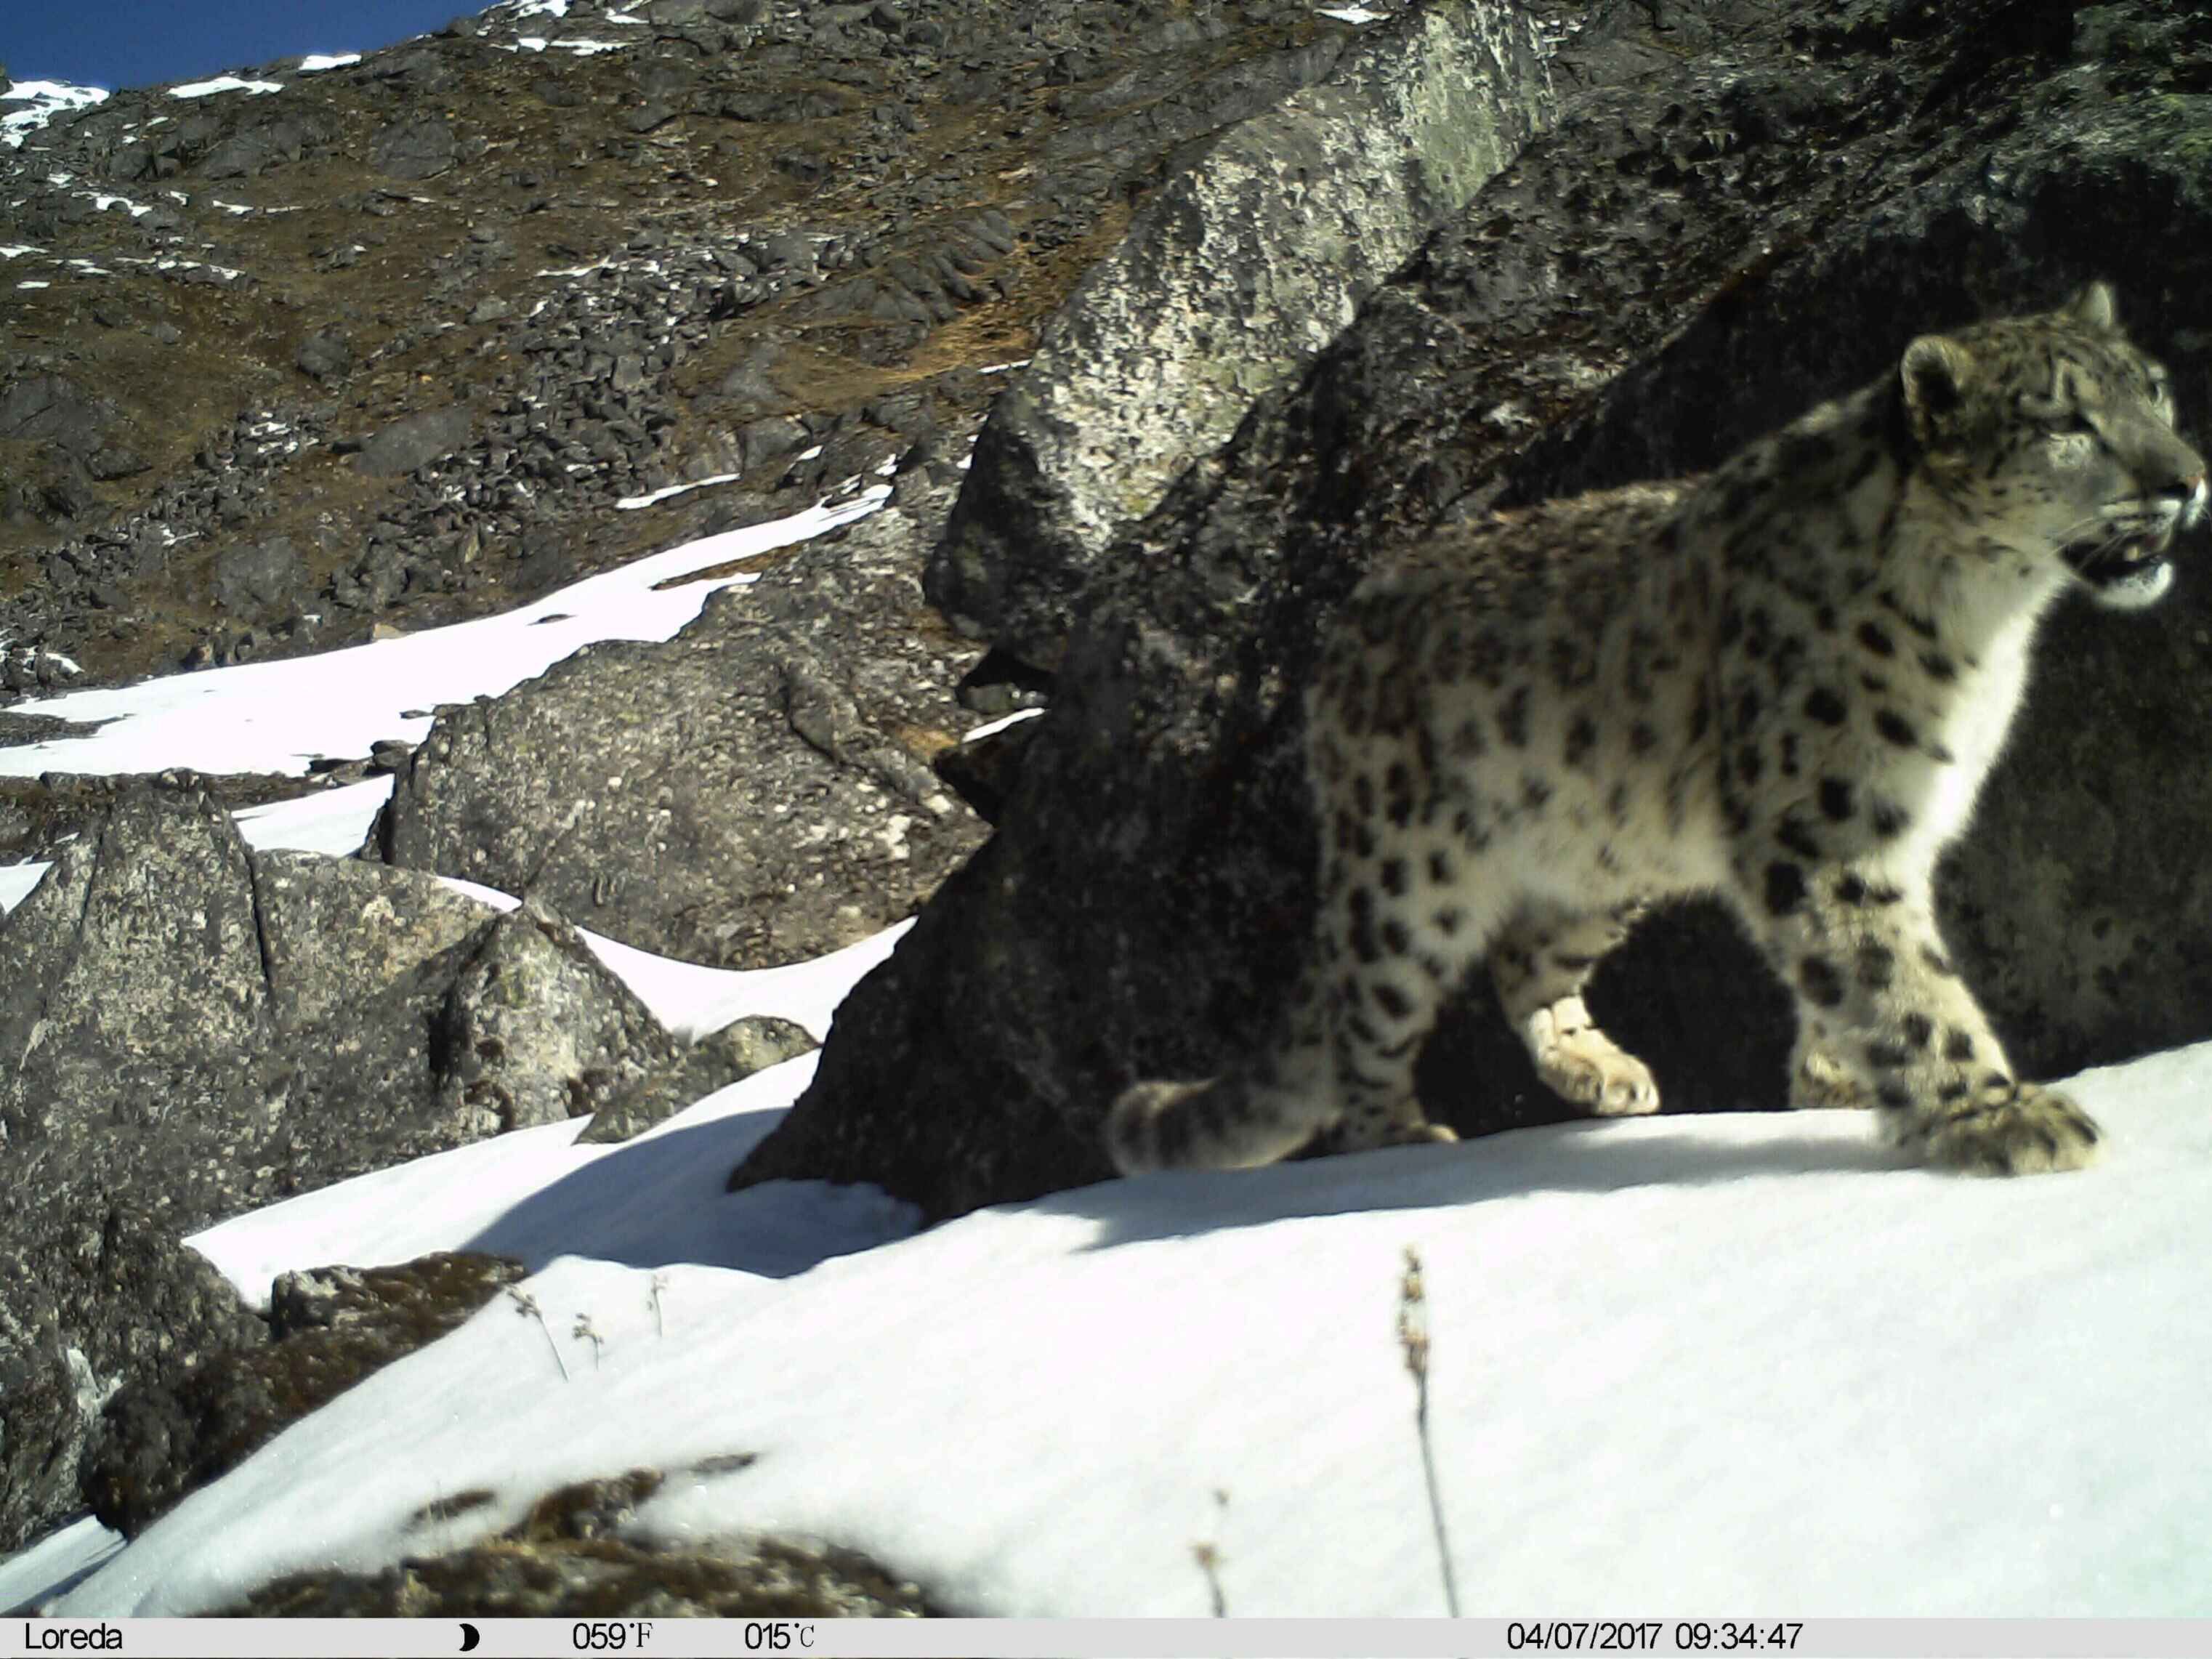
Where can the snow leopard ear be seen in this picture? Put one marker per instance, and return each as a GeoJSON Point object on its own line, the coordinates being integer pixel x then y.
{"type": "Point", "coordinates": [1934, 374]}
{"type": "Point", "coordinates": [2093, 307]}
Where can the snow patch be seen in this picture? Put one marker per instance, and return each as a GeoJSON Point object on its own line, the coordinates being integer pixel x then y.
{"type": "Point", "coordinates": [282, 716]}
{"type": "Point", "coordinates": [631, 503]}
{"type": "Point", "coordinates": [224, 83]}
{"type": "Point", "coordinates": [43, 101]}
{"type": "Point", "coordinates": [1724, 1360]}
{"type": "Point", "coordinates": [990, 728]}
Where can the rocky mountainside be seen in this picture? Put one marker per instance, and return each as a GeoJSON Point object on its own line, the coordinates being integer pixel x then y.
{"type": "Point", "coordinates": [318, 350]}
{"type": "Point", "coordinates": [410, 339]}
{"type": "Point", "coordinates": [388, 340]}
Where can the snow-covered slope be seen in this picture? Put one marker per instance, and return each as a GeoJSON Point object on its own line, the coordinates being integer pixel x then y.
{"type": "Point", "coordinates": [1750, 1362]}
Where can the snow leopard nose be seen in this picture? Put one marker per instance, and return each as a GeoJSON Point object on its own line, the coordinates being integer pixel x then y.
{"type": "Point", "coordinates": [2172, 475]}
{"type": "Point", "coordinates": [2191, 494]}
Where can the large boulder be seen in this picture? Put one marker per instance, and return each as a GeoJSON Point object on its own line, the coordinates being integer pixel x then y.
{"type": "Point", "coordinates": [414, 440]}
{"type": "Point", "coordinates": [1643, 291]}
{"type": "Point", "coordinates": [1232, 278]}
{"type": "Point", "coordinates": [196, 1029]}
{"type": "Point", "coordinates": [757, 791]}
{"type": "Point", "coordinates": [91, 1291]}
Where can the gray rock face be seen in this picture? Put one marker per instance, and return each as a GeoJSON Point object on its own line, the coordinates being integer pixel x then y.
{"type": "Point", "coordinates": [113, 984]}
{"type": "Point", "coordinates": [258, 575]}
{"type": "Point", "coordinates": [1241, 269]}
{"type": "Point", "coordinates": [159, 1440]}
{"type": "Point", "coordinates": [755, 792]}
{"type": "Point", "coordinates": [196, 1030]}
{"type": "Point", "coordinates": [90, 1291]}
{"type": "Point", "coordinates": [322, 355]}
{"type": "Point", "coordinates": [52, 409]}
{"type": "Point", "coordinates": [415, 440]}
{"type": "Point", "coordinates": [422, 147]}
{"type": "Point", "coordinates": [716, 1060]}
{"type": "Point", "coordinates": [1590, 319]}
{"type": "Point", "coordinates": [536, 1030]}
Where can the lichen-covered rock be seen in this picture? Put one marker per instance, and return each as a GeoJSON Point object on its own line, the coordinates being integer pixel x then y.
{"type": "Point", "coordinates": [338, 931]}
{"type": "Point", "coordinates": [162, 1436]}
{"type": "Point", "coordinates": [1231, 280]}
{"type": "Point", "coordinates": [716, 1060]}
{"type": "Point", "coordinates": [755, 792]}
{"type": "Point", "coordinates": [565, 1561]}
{"type": "Point", "coordinates": [536, 1029]}
{"type": "Point", "coordinates": [91, 1292]}
{"type": "Point", "coordinates": [139, 955]}
{"type": "Point", "coordinates": [198, 1029]}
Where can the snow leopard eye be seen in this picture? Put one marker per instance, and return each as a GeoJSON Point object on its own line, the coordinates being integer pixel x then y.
{"type": "Point", "coordinates": [2057, 416]}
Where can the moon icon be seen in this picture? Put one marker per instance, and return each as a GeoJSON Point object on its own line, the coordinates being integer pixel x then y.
{"type": "Point", "coordinates": [469, 1638]}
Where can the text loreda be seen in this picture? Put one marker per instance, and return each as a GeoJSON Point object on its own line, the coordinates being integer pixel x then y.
{"type": "Point", "coordinates": [38, 1638]}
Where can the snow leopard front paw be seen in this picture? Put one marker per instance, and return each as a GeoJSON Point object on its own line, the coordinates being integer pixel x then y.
{"type": "Point", "coordinates": [1582, 1065]}
{"type": "Point", "coordinates": [2012, 1128]}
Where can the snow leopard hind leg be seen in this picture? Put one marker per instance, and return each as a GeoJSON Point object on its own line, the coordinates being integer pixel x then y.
{"type": "Point", "coordinates": [1387, 953]}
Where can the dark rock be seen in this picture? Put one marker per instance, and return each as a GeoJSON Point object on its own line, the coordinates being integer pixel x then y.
{"type": "Point", "coordinates": [102, 978]}
{"type": "Point", "coordinates": [200, 1029]}
{"type": "Point", "coordinates": [1576, 326]}
{"type": "Point", "coordinates": [420, 147]}
{"type": "Point", "coordinates": [52, 409]}
{"type": "Point", "coordinates": [91, 1291]}
{"type": "Point", "coordinates": [164, 1436]}
{"type": "Point", "coordinates": [258, 576]}
{"type": "Point", "coordinates": [322, 355]}
{"type": "Point", "coordinates": [415, 440]}
{"type": "Point", "coordinates": [563, 1561]}
{"type": "Point", "coordinates": [715, 1062]}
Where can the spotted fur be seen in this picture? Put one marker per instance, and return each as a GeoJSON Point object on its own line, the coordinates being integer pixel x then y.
{"type": "Point", "coordinates": [1783, 683]}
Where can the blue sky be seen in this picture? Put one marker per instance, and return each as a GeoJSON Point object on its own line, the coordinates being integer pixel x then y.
{"type": "Point", "coordinates": [134, 42]}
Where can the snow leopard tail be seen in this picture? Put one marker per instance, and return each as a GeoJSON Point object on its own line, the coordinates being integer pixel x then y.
{"type": "Point", "coordinates": [1231, 1122]}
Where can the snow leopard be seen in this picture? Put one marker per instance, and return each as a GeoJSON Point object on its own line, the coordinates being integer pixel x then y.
{"type": "Point", "coordinates": [1782, 683]}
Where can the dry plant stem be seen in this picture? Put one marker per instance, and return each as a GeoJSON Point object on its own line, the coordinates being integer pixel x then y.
{"type": "Point", "coordinates": [1413, 1338]}
{"type": "Point", "coordinates": [526, 1305]}
{"type": "Point", "coordinates": [1208, 1557]}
